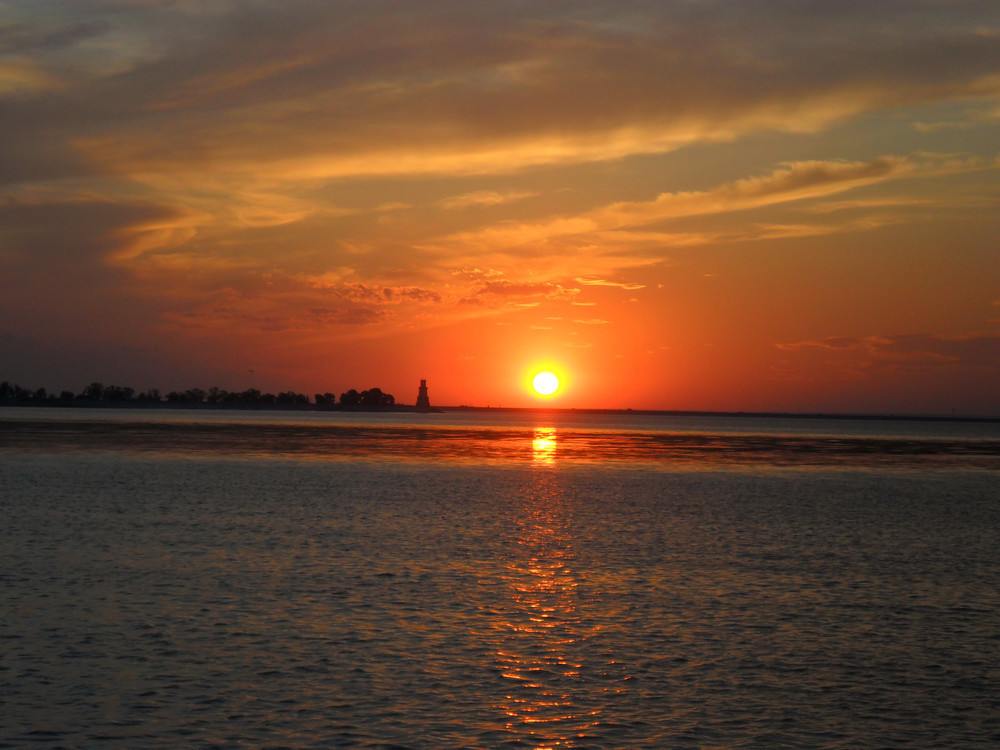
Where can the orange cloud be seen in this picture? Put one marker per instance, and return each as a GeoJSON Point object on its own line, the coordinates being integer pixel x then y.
{"type": "Point", "coordinates": [482, 198]}
{"type": "Point", "coordinates": [591, 281]}
{"type": "Point", "coordinates": [506, 288]}
{"type": "Point", "coordinates": [793, 182]}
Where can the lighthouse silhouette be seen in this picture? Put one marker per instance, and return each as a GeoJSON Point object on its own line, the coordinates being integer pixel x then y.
{"type": "Point", "coordinates": [422, 401]}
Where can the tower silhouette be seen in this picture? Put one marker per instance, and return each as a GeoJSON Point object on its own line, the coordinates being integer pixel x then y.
{"type": "Point", "coordinates": [422, 401]}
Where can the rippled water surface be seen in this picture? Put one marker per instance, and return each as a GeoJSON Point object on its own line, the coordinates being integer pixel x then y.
{"type": "Point", "coordinates": [234, 581]}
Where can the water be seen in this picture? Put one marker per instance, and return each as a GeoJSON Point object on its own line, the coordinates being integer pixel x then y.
{"type": "Point", "coordinates": [446, 581]}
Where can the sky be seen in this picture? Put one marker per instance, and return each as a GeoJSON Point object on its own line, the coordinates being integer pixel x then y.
{"type": "Point", "coordinates": [758, 206]}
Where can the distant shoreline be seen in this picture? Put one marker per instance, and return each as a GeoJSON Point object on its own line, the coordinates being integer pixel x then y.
{"type": "Point", "coordinates": [407, 408]}
{"type": "Point", "coordinates": [726, 414]}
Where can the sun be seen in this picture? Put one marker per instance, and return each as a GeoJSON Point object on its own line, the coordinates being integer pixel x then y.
{"type": "Point", "coordinates": [545, 383]}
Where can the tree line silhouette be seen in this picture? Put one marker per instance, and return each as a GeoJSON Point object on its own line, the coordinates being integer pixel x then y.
{"type": "Point", "coordinates": [97, 393]}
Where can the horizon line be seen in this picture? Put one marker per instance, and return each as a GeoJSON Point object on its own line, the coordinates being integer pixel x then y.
{"type": "Point", "coordinates": [412, 408]}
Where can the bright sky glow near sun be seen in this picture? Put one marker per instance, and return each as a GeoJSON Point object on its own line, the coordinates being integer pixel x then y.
{"type": "Point", "coordinates": [789, 206]}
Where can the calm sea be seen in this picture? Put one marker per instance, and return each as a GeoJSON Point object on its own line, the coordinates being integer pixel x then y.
{"type": "Point", "coordinates": [212, 579]}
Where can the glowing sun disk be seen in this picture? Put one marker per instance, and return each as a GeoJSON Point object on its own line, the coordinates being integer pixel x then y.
{"type": "Point", "coordinates": [545, 383]}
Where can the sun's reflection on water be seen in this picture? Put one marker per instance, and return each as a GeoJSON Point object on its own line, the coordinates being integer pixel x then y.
{"type": "Point", "coordinates": [539, 641]}
{"type": "Point", "coordinates": [543, 446]}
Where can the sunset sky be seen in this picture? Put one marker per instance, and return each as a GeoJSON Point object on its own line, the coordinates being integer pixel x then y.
{"type": "Point", "coordinates": [789, 206]}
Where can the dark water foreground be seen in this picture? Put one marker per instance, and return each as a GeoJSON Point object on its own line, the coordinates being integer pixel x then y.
{"type": "Point", "coordinates": [227, 587]}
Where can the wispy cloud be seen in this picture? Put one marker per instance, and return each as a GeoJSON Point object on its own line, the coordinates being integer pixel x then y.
{"type": "Point", "coordinates": [504, 288]}
{"type": "Point", "coordinates": [792, 182]}
{"type": "Point", "coordinates": [293, 93]}
{"type": "Point", "coordinates": [915, 351]}
{"type": "Point", "coordinates": [393, 294]}
{"type": "Point", "coordinates": [483, 198]}
{"type": "Point", "coordinates": [592, 281]}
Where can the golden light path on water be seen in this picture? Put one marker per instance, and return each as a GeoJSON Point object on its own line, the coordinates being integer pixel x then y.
{"type": "Point", "coordinates": [538, 644]}
{"type": "Point", "coordinates": [543, 446]}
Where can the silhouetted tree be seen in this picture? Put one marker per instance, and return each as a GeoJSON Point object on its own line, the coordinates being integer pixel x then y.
{"type": "Point", "coordinates": [118, 393]}
{"type": "Point", "coordinates": [325, 400]}
{"type": "Point", "coordinates": [93, 392]}
{"type": "Point", "coordinates": [249, 396]}
{"type": "Point", "coordinates": [374, 398]}
{"type": "Point", "coordinates": [371, 397]}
